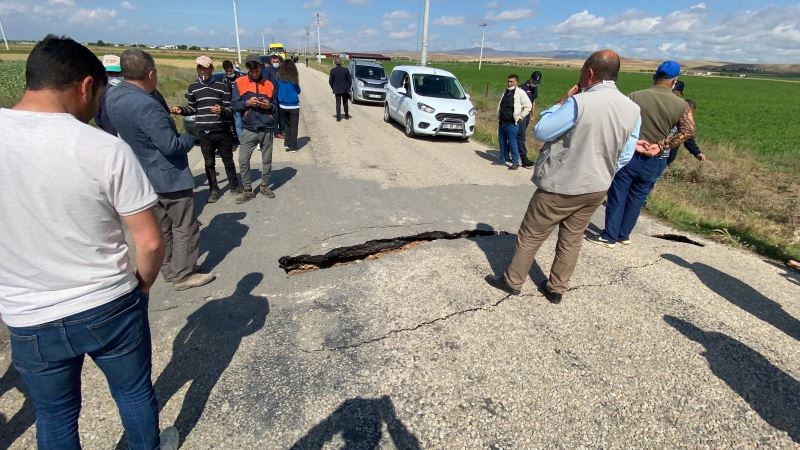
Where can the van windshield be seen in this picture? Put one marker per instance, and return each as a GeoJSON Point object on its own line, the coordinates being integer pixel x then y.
{"type": "Point", "coordinates": [438, 86]}
{"type": "Point", "coordinates": [277, 49]}
{"type": "Point", "coordinates": [370, 72]}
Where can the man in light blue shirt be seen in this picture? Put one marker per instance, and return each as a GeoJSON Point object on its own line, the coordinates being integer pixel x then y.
{"type": "Point", "coordinates": [589, 135]}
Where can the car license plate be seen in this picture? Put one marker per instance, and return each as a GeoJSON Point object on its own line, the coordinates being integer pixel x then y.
{"type": "Point", "coordinates": [451, 126]}
{"type": "Point", "coordinates": [374, 96]}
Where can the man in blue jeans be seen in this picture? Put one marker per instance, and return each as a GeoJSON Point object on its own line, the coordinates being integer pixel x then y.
{"type": "Point", "coordinates": [661, 112]}
{"type": "Point", "coordinates": [514, 106]}
{"type": "Point", "coordinates": [67, 285]}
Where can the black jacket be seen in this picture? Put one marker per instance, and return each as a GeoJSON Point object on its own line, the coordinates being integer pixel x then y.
{"type": "Point", "coordinates": [340, 80]}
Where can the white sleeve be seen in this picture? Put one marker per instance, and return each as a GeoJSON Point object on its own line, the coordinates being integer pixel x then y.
{"type": "Point", "coordinates": [129, 190]}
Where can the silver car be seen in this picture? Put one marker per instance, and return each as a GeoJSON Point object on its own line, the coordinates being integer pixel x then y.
{"type": "Point", "coordinates": [369, 81]}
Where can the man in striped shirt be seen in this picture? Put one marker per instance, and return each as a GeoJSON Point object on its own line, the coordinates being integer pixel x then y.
{"type": "Point", "coordinates": [209, 100]}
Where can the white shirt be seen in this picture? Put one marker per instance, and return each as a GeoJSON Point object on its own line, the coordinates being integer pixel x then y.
{"type": "Point", "coordinates": [63, 187]}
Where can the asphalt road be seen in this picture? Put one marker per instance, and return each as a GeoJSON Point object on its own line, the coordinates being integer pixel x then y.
{"type": "Point", "coordinates": [657, 345]}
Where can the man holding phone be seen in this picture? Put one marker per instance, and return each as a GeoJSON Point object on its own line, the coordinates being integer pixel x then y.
{"type": "Point", "coordinates": [209, 100]}
{"type": "Point", "coordinates": [252, 96]}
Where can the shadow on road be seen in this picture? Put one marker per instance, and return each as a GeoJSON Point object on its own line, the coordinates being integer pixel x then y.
{"type": "Point", "coordinates": [277, 178]}
{"type": "Point", "coordinates": [11, 429]}
{"type": "Point", "coordinates": [500, 249]}
{"type": "Point", "coordinates": [770, 392]}
{"type": "Point", "coordinates": [742, 295]}
{"type": "Point", "coordinates": [303, 141]}
{"type": "Point", "coordinates": [205, 347]}
{"type": "Point", "coordinates": [360, 422]}
{"type": "Point", "coordinates": [223, 234]}
{"type": "Point", "coordinates": [790, 274]}
{"type": "Point", "coordinates": [489, 155]}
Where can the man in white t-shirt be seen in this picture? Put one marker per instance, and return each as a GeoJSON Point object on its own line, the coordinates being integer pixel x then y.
{"type": "Point", "coordinates": [67, 285]}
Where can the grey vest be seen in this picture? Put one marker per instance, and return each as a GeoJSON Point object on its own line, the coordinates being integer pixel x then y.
{"type": "Point", "coordinates": [584, 159]}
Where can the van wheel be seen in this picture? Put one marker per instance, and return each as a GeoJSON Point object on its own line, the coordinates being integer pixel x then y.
{"type": "Point", "coordinates": [410, 126]}
{"type": "Point", "coordinates": [386, 117]}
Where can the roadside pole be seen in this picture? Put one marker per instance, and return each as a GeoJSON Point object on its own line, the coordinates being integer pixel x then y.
{"type": "Point", "coordinates": [319, 46]}
{"type": "Point", "coordinates": [424, 58]}
{"type": "Point", "coordinates": [483, 35]}
{"type": "Point", "coordinates": [4, 34]}
{"type": "Point", "coordinates": [236, 24]}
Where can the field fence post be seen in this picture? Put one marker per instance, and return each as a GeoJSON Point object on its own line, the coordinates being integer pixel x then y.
{"type": "Point", "coordinates": [486, 94]}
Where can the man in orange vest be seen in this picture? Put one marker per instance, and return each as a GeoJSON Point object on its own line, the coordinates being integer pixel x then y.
{"type": "Point", "coordinates": [252, 96]}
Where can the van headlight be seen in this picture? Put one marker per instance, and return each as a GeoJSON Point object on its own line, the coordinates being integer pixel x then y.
{"type": "Point", "coordinates": [426, 108]}
{"type": "Point", "coordinates": [472, 111]}
{"type": "Point", "coordinates": [360, 83]}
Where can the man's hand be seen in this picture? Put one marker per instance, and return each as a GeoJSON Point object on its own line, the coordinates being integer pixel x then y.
{"type": "Point", "coordinates": [253, 102]}
{"type": "Point", "coordinates": [176, 110]}
{"type": "Point", "coordinates": [572, 91]}
{"type": "Point", "coordinates": [646, 148]}
{"type": "Point", "coordinates": [701, 157]}
{"type": "Point", "coordinates": [216, 109]}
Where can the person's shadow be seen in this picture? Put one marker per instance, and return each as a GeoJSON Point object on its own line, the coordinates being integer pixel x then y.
{"type": "Point", "coordinates": [499, 249]}
{"type": "Point", "coordinates": [224, 233]}
{"type": "Point", "coordinates": [205, 347]}
{"type": "Point", "coordinates": [360, 422]}
{"type": "Point", "coordinates": [770, 392]}
{"type": "Point", "coordinates": [277, 178]}
{"type": "Point", "coordinates": [489, 155]}
{"type": "Point", "coordinates": [742, 295]}
{"type": "Point", "coordinates": [12, 429]}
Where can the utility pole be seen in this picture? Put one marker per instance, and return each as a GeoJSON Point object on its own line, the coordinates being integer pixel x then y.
{"type": "Point", "coordinates": [483, 34]}
{"type": "Point", "coordinates": [263, 44]}
{"type": "Point", "coordinates": [4, 35]}
{"type": "Point", "coordinates": [424, 57]}
{"type": "Point", "coordinates": [236, 24]}
{"type": "Point", "coordinates": [305, 43]}
{"type": "Point", "coordinates": [319, 46]}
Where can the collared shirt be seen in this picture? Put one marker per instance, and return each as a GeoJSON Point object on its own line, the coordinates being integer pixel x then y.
{"type": "Point", "coordinates": [560, 118]}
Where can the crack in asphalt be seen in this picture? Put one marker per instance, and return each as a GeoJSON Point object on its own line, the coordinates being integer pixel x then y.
{"type": "Point", "coordinates": [356, 230]}
{"type": "Point", "coordinates": [414, 328]}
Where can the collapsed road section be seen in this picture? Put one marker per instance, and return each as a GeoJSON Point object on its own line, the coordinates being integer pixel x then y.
{"type": "Point", "coordinates": [373, 249]}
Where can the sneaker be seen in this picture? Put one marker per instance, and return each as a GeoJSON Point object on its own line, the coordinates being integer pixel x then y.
{"type": "Point", "coordinates": [267, 192]}
{"type": "Point", "coordinates": [514, 167]}
{"type": "Point", "coordinates": [170, 439]}
{"type": "Point", "coordinates": [214, 196]}
{"type": "Point", "coordinates": [194, 280]}
{"type": "Point", "coordinates": [338, 119]}
{"type": "Point", "coordinates": [499, 282]}
{"type": "Point", "coordinates": [600, 240]}
{"type": "Point", "coordinates": [286, 147]}
{"type": "Point", "coordinates": [625, 241]}
{"type": "Point", "coordinates": [236, 189]}
{"type": "Point", "coordinates": [552, 297]}
{"type": "Point", "coordinates": [293, 150]}
{"type": "Point", "coordinates": [347, 116]}
{"type": "Point", "coordinates": [528, 164]}
{"type": "Point", "coordinates": [245, 196]}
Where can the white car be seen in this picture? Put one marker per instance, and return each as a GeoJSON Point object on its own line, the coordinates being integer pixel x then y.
{"type": "Point", "coordinates": [429, 102]}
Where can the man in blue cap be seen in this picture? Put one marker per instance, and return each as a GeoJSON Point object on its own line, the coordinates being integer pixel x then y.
{"type": "Point", "coordinates": [661, 112]}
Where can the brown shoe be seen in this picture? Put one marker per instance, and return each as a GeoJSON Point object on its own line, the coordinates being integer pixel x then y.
{"type": "Point", "coordinates": [194, 280]}
{"type": "Point", "coordinates": [245, 196]}
{"type": "Point", "coordinates": [267, 192]}
{"type": "Point", "coordinates": [214, 196]}
{"type": "Point", "coordinates": [236, 189]}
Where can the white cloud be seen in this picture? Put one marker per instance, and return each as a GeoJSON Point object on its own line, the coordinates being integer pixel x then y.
{"type": "Point", "coordinates": [368, 32]}
{"type": "Point", "coordinates": [127, 5]}
{"type": "Point", "coordinates": [358, 2]}
{"type": "Point", "coordinates": [583, 20]}
{"type": "Point", "coordinates": [13, 7]}
{"type": "Point", "coordinates": [398, 15]}
{"type": "Point", "coordinates": [493, 5]}
{"type": "Point", "coordinates": [449, 20]}
{"type": "Point", "coordinates": [92, 15]}
{"type": "Point", "coordinates": [192, 31]}
{"type": "Point", "coordinates": [407, 34]}
{"type": "Point", "coordinates": [63, 2]}
{"type": "Point", "coordinates": [313, 4]}
{"type": "Point", "coordinates": [699, 6]}
{"type": "Point", "coordinates": [510, 14]}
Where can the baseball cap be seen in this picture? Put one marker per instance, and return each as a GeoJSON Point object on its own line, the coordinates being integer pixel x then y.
{"type": "Point", "coordinates": [536, 77]}
{"type": "Point", "coordinates": [668, 69]}
{"type": "Point", "coordinates": [678, 86]}
{"type": "Point", "coordinates": [253, 59]}
{"type": "Point", "coordinates": [111, 63]}
{"type": "Point", "coordinates": [204, 61]}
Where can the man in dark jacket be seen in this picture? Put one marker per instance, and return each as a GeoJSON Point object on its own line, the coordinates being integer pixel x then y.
{"type": "Point", "coordinates": [144, 124]}
{"type": "Point", "coordinates": [531, 87]}
{"type": "Point", "coordinates": [340, 81]}
{"type": "Point", "coordinates": [690, 144]}
{"type": "Point", "coordinates": [253, 96]}
{"type": "Point", "coordinates": [270, 72]}
{"type": "Point", "coordinates": [209, 100]}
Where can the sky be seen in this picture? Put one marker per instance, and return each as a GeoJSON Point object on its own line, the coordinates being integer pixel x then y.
{"type": "Point", "coordinates": [719, 30]}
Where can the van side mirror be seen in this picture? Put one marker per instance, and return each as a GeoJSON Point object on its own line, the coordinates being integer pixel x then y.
{"type": "Point", "coordinates": [467, 96]}
{"type": "Point", "coordinates": [402, 90]}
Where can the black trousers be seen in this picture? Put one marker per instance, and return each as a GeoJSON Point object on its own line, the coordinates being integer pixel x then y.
{"type": "Point", "coordinates": [342, 98]}
{"type": "Point", "coordinates": [522, 137]}
{"type": "Point", "coordinates": [209, 144]}
{"type": "Point", "coordinates": [290, 117]}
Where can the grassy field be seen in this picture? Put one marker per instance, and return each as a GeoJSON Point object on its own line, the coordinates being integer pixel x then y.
{"type": "Point", "coordinates": [747, 194]}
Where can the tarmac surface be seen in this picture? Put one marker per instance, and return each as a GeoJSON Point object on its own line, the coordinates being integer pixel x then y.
{"type": "Point", "coordinates": [657, 344]}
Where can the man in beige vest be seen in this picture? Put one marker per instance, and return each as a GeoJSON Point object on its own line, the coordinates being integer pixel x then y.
{"type": "Point", "coordinates": [589, 135]}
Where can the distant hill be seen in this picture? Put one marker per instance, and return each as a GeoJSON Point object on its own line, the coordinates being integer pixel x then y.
{"type": "Point", "coordinates": [754, 69]}
{"type": "Point", "coordinates": [490, 52]}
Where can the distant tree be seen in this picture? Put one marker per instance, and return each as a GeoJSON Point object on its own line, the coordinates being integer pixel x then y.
{"type": "Point", "coordinates": [100, 43]}
{"type": "Point", "coordinates": [183, 47]}
{"type": "Point", "coordinates": [194, 47]}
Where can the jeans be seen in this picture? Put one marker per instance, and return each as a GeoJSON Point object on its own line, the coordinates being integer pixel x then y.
{"type": "Point", "coordinates": [290, 118]}
{"type": "Point", "coordinates": [237, 123]}
{"type": "Point", "coordinates": [49, 358]}
{"type": "Point", "coordinates": [507, 133]}
{"type": "Point", "coordinates": [248, 141]}
{"type": "Point", "coordinates": [628, 192]}
{"type": "Point", "coordinates": [209, 143]}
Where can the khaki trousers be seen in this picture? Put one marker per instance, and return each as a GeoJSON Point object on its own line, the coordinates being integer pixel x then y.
{"type": "Point", "coordinates": [572, 214]}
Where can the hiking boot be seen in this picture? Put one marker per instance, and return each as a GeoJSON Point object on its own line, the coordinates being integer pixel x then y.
{"type": "Point", "coordinates": [245, 196]}
{"type": "Point", "coordinates": [499, 282]}
{"type": "Point", "coordinates": [194, 280]}
{"type": "Point", "coordinates": [600, 240]}
{"type": "Point", "coordinates": [236, 189]}
{"type": "Point", "coordinates": [169, 439]}
{"type": "Point", "coordinates": [214, 196]}
{"type": "Point", "coordinates": [267, 192]}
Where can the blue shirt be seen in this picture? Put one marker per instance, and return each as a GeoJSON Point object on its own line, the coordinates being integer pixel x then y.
{"type": "Point", "coordinates": [560, 118]}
